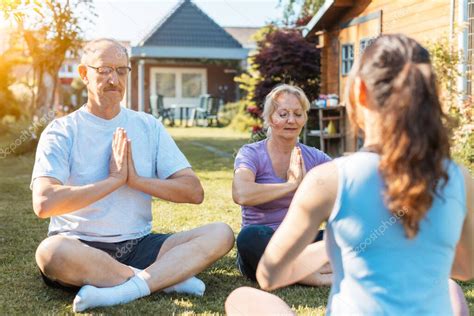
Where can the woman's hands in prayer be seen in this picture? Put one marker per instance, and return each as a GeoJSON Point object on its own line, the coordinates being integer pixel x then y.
{"type": "Point", "coordinates": [296, 170]}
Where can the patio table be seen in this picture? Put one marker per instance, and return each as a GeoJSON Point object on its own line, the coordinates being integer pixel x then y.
{"type": "Point", "coordinates": [184, 113]}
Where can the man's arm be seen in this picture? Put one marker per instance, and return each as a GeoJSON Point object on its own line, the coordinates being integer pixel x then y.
{"type": "Point", "coordinates": [181, 187]}
{"type": "Point", "coordinates": [51, 198]}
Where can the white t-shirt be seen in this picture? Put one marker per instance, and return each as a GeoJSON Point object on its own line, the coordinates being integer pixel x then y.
{"type": "Point", "coordinates": [76, 150]}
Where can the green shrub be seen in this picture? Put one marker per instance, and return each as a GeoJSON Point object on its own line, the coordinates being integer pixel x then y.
{"type": "Point", "coordinates": [22, 136]}
{"type": "Point", "coordinates": [463, 134]}
{"type": "Point", "coordinates": [24, 98]}
{"type": "Point", "coordinates": [228, 112]}
{"type": "Point", "coordinates": [241, 121]}
{"type": "Point", "coordinates": [446, 59]}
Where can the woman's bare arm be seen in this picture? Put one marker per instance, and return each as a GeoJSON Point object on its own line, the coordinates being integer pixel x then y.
{"type": "Point", "coordinates": [311, 205]}
{"type": "Point", "coordinates": [463, 265]}
{"type": "Point", "coordinates": [245, 191]}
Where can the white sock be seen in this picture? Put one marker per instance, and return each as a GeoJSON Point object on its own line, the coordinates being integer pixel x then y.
{"type": "Point", "coordinates": [192, 286]}
{"type": "Point", "coordinates": [90, 296]}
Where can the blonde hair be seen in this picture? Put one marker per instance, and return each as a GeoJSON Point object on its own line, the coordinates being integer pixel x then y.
{"type": "Point", "coordinates": [271, 104]}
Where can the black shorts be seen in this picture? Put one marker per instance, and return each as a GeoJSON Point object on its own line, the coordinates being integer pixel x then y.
{"type": "Point", "coordinates": [251, 244]}
{"type": "Point", "coordinates": [139, 253]}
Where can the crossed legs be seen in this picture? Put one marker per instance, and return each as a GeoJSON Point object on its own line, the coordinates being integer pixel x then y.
{"type": "Point", "coordinates": [182, 255]}
{"type": "Point", "coordinates": [73, 263]}
{"type": "Point", "coordinates": [251, 243]}
{"type": "Point", "coordinates": [187, 253]}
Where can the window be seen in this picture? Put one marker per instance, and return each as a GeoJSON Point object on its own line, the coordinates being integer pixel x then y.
{"type": "Point", "coordinates": [470, 46]}
{"type": "Point", "coordinates": [192, 85]}
{"type": "Point", "coordinates": [179, 86]}
{"type": "Point", "coordinates": [166, 84]}
{"type": "Point", "coordinates": [347, 58]}
{"type": "Point", "coordinates": [67, 70]}
{"type": "Point", "coordinates": [364, 43]}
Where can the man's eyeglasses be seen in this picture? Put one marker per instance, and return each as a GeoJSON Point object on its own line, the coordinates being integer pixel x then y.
{"type": "Point", "coordinates": [106, 70]}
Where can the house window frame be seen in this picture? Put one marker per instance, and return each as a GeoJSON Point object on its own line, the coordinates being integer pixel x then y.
{"type": "Point", "coordinates": [67, 70]}
{"type": "Point", "coordinates": [346, 69]}
{"type": "Point", "coordinates": [178, 71]}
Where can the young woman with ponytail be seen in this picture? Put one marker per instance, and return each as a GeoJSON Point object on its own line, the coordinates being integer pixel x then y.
{"type": "Point", "coordinates": [400, 212]}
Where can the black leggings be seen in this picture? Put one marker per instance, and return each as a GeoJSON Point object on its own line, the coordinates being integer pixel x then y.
{"type": "Point", "coordinates": [251, 243]}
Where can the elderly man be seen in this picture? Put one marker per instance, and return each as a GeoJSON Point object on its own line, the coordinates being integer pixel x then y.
{"type": "Point", "coordinates": [95, 173]}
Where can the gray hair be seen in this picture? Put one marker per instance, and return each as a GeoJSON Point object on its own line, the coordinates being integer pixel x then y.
{"type": "Point", "coordinates": [271, 104]}
{"type": "Point", "coordinates": [92, 48]}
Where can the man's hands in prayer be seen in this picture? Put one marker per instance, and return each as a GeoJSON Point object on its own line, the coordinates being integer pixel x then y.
{"type": "Point", "coordinates": [132, 173]}
{"type": "Point", "coordinates": [119, 158]}
{"type": "Point", "coordinates": [182, 186]}
{"type": "Point", "coordinates": [122, 166]}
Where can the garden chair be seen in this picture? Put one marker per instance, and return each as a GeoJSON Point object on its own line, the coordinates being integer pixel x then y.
{"type": "Point", "coordinates": [213, 106]}
{"type": "Point", "coordinates": [159, 111]}
{"type": "Point", "coordinates": [200, 112]}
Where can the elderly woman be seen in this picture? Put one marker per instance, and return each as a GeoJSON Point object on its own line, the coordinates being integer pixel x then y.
{"type": "Point", "coordinates": [267, 174]}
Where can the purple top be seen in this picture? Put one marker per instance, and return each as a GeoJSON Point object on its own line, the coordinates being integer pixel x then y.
{"type": "Point", "coordinates": [255, 157]}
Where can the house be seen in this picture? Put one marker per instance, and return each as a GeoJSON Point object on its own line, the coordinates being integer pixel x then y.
{"type": "Point", "coordinates": [343, 28]}
{"type": "Point", "coordinates": [244, 35]}
{"type": "Point", "coordinates": [186, 55]}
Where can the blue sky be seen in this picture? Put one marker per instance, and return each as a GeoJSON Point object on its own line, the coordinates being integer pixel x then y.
{"type": "Point", "coordinates": [132, 20]}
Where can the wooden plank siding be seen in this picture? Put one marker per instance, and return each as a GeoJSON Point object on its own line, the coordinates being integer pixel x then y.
{"type": "Point", "coordinates": [420, 19]}
{"type": "Point", "coordinates": [423, 20]}
{"type": "Point", "coordinates": [353, 35]}
{"type": "Point", "coordinates": [332, 69]}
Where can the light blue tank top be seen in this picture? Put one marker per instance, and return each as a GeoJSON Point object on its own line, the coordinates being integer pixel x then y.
{"type": "Point", "coordinates": [377, 270]}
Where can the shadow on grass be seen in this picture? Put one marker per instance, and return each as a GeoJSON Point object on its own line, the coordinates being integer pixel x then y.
{"type": "Point", "coordinates": [221, 279]}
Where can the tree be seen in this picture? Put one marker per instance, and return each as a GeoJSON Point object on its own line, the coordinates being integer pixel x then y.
{"type": "Point", "coordinates": [8, 104]}
{"type": "Point", "coordinates": [286, 57]}
{"type": "Point", "coordinates": [49, 29]}
{"type": "Point", "coordinates": [283, 56]}
{"type": "Point", "coordinates": [307, 9]}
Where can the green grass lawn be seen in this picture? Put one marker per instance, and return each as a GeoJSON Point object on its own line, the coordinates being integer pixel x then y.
{"type": "Point", "coordinates": [23, 292]}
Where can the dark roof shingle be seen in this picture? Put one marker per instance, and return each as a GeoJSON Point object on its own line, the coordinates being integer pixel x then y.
{"type": "Point", "coordinates": [189, 26]}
